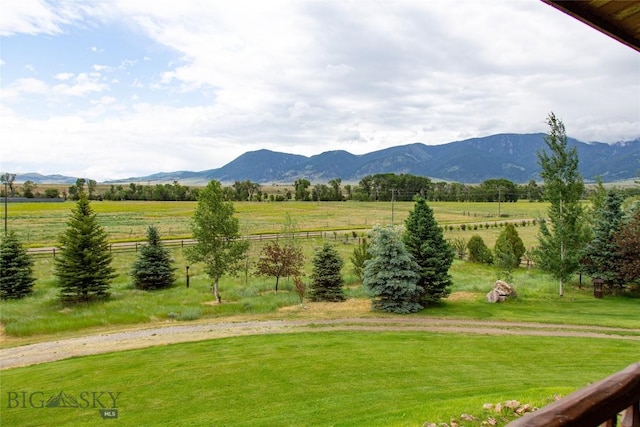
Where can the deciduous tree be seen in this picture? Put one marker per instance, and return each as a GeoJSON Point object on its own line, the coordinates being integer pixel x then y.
{"type": "Point", "coordinates": [16, 268]}
{"type": "Point", "coordinates": [217, 232]}
{"type": "Point", "coordinates": [562, 237]}
{"type": "Point", "coordinates": [154, 267]}
{"type": "Point", "coordinates": [280, 260]}
{"type": "Point", "coordinates": [391, 274]}
{"type": "Point", "coordinates": [359, 257]}
{"type": "Point", "coordinates": [83, 264]}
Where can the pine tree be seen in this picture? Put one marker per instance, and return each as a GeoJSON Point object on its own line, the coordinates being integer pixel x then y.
{"type": "Point", "coordinates": [153, 269]}
{"type": "Point", "coordinates": [601, 257]}
{"type": "Point", "coordinates": [16, 269]}
{"type": "Point", "coordinates": [326, 279]}
{"type": "Point", "coordinates": [391, 274]}
{"type": "Point", "coordinates": [562, 238]}
{"type": "Point", "coordinates": [83, 265]}
{"type": "Point", "coordinates": [424, 240]}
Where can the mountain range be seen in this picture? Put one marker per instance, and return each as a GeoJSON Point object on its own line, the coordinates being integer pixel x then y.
{"type": "Point", "coordinates": [509, 156]}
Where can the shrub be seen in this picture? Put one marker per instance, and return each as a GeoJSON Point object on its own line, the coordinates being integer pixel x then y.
{"type": "Point", "coordinates": [478, 251]}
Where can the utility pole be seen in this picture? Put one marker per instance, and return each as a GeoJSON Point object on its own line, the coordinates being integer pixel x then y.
{"type": "Point", "coordinates": [392, 204]}
{"type": "Point", "coordinates": [8, 179]}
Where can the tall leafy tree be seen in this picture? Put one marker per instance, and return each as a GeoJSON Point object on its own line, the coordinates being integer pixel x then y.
{"type": "Point", "coordinates": [154, 267]}
{"type": "Point", "coordinates": [16, 268]}
{"type": "Point", "coordinates": [326, 277]}
{"type": "Point", "coordinates": [562, 237]}
{"type": "Point", "coordinates": [280, 260]}
{"type": "Point", "coordinates": [424, 240]}
{"type": "Point", "coordinates": [217, 232]}
{"type": "Point", "coordinates": [391, 274]}
{"type": "Point", "coordinates": [83, 265]}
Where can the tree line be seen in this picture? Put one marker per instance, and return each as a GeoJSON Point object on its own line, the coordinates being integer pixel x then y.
{"type": "Point", "coordinates": [379, 187]}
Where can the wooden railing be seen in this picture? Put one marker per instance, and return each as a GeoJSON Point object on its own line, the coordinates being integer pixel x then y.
{"type": "Point", "coordinates": [598, 404]}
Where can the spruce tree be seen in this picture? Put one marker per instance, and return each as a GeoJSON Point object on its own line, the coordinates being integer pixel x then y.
{"type": "Point", "coordinates": [424, 241]}
{"type": "Point", "coordinates": [601, 257]}
{"type": "Point", "coordinates": [16, 269]}
{"type": "Point", "coordinates": [83, 264]}
{"type": "Point", "coordinates": [628, 241]}
{"type": "Point", "coordinates": [153, 269]}
{"type": "Point", "coordinates": [391, 274]}
{"type": "Point", "coordinates": [326, 279]}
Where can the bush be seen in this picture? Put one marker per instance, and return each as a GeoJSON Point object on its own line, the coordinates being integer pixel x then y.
{"type": "Point", "coordinates": [478, 251]}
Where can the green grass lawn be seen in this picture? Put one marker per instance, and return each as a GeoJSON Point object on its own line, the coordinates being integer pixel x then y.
{"type": "Point", "coordinates": [316, 379]}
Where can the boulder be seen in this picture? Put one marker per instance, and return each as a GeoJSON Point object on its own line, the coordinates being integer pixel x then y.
{"type": "Point", "coordinates": [501, 290]}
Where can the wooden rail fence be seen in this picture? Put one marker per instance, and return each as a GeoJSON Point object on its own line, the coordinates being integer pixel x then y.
{"type": "Point", "coordinates": [598, 404]}
{"type": "Point", "coordinates": [134, 246]}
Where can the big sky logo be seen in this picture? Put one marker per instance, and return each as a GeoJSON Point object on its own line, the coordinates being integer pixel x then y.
{"type": "Point", "coordinates": [105, 401]}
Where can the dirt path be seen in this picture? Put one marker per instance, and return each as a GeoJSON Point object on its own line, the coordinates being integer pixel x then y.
{"type": "Point", "coordinates": [313, 319]}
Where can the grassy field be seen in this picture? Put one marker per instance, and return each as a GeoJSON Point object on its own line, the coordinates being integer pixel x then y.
{"type": "Point", "coordinates": [40, 224]}
{"type": "Point", "coordinates": [314, 379]}
{"type": "Point", "coordinates": [42, 314]}
{"type": "Point", "coordinates": [304, 379]}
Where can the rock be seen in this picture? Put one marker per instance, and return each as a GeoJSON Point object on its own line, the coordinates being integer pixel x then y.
{"type": "Point", "coordinates": [501, 290]}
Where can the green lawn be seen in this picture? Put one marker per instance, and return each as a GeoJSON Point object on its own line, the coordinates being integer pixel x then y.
{"type": "Point", "coordinates": [316, 379]}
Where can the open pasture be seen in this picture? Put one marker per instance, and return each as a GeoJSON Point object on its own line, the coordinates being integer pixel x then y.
{"type": "Point", "coordinates": [40, 224]}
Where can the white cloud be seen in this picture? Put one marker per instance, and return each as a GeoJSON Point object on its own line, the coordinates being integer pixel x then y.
{"type": "Point", "coordinates": [305, 77]}
{"type": "Point", "coordinates": [63, 76]}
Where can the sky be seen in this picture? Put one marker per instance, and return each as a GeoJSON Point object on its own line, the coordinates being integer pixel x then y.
{"type": "Point", "coordinates": [111, 89]}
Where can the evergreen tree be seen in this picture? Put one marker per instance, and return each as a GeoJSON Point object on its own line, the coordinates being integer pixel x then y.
{"type": "Point", "coordinates": [83, 265]}
{"type": "Point", "coordinates": [217, 232]}
{"type": "Point", "coordinates": [424, 241]}
{"type": "Point", "coordinates": [153, 269]}
{"type": "Point", "coordinates": [326, 279]}
{"type": "Point", "coordinates": [562, 238]}
{"type": "Point", "coordinates": [509, 248]}
{"type": "Point", "coordinates": [16, 268]}
{"type": "Point", "coordinates": [505, 257]}
{"type": "Point", "coordinates": [391, 274]}
{"type": "Point", "coordinates": [628, 241]}
{"type": "Point", "coordinates": [601, 257]}
{"type": "Point", "coordinates": [478, 251]}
